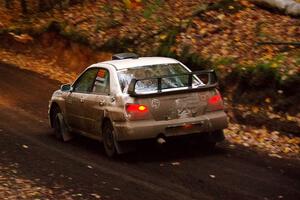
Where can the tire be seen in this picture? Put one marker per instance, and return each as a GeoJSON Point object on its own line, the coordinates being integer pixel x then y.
{"type": "Point", "coordinates": [217, 136]}
{"type": "Point", "coordinates": [207, 142]}
{"type": "Point", "coordinates": [60, 130]}
{"type": "Point", "coordinates": [108, 140]}
{"type": "Point", "coordinates": [58, 126]}
{"type": "Point", "coordinates": [211, 140]}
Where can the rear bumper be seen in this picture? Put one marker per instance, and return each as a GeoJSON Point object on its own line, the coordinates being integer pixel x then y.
{"type": "Point", "coordinates": [147, 129]}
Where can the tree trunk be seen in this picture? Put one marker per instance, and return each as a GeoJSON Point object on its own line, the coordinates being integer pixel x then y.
{"type": "Point", "coordinates": [290, 7]}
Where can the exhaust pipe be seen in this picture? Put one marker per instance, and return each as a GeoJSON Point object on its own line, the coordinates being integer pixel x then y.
{"type": "Point", "coordinates": [161, 140]}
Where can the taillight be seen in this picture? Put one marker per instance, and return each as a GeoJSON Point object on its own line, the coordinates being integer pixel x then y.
{"type": "Point", "coordinates": [215, 99]}
{"type": "Point", "coordinates": [136, 108]}
{"type": "Point", "coordinates": [137, 111]}
{"type": "Point", "coordinates": [215, 103]}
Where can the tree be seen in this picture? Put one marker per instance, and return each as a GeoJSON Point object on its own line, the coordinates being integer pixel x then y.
{"type": "Point", "coordinates": [290, 7]}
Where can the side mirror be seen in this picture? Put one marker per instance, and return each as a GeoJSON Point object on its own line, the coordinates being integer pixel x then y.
{"type": "Point", "coordinates": [66, 88]}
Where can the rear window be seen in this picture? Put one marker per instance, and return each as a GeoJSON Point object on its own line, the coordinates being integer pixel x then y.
{"type": "Point", "coordinates": [152, 71]}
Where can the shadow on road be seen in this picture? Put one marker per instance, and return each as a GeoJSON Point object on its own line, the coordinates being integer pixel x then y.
{"type": "Point", "coordinates": [169, 152]}
{"type": "Point", "coordinates": [148, 151]}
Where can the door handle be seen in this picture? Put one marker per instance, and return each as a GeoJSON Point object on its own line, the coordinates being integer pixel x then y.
{"type": "Point", "coordinates": [102, 102]}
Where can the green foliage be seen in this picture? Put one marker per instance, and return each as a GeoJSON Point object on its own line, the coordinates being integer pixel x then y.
{"type": "Point", "coordinates": [171, 38]}
{"type": "Point", "coordinates": [298, 61]}
{"type": "Point", "coordinates": [66, 31]}
{"type": "Point", "coordinates": [98, 25]}
{"type": "Point", "coordinates": [107, 8]}
{"type": "Point", "coordinates": [261, 76]}
{"type": "Point", "coordinates": [147, 13]}
{"type": "Point", "coordinates": [193, 60]}
{"type": "Point", "coordinates": [253, 84]}
{"type": "Point", "coordinates": [117, 45]}
{"type": "Point", "coordinates": [75, 35]}
{"type": "Point", "coordinates": [224, 61]}
{"type": "Point", "coordinates": [200, 9]}
{"type": "Point", "coordinates": [151, 8]}
{"type": "Point", "coordinates": [165, 46]}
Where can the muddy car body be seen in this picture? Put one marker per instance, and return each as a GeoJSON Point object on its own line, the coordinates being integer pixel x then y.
{"type": "Point", "coordinates": [131, 98]}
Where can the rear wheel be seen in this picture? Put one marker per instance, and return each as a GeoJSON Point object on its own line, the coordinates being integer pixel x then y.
{"type": "Point", "coordinates": [108, 140]}
{"type": "Point", "coordinates": [209, 141]}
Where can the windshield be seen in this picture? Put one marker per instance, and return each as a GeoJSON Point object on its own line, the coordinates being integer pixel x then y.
{"type": "Point", "coordinates": [152, 71]}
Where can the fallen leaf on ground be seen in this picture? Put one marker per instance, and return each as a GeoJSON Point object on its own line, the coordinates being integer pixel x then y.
{"type": "Point", "coordinates": [212, 176]}
{"type": "Point", "coordinates": [268, 100]}
{"type": "Point", "coordinates": [97, 196]}
{"type": "Point", "coordinates": [290, 118]}
{"type": "Point", "coordinates": [175, 163]}
{"type": "Point", "coordinates": [255, 109]}
{"type": "Point", "coordinates": [275, 155]}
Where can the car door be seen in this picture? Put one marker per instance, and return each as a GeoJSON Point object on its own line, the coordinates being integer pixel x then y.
{"type": "Point", "coordinates": [75, 101]}
{"type": "Point", "coordinates": [97, 102]}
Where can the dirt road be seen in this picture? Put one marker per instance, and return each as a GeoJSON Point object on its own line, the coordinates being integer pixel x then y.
{"type": "Point", "coordinates": [80, 170]}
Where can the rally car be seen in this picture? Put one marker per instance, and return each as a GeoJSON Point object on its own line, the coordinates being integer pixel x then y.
{"type": "Point", "coordinates": [132, 98]}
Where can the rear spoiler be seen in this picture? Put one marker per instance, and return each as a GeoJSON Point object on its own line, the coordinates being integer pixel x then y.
{"type": "Point", "coordinates": [212, 82]}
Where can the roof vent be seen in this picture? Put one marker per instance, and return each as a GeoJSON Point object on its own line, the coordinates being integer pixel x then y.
{"type": "Point", "coordinates": [121, 56]}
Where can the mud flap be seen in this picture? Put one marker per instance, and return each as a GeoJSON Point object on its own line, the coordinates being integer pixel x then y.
{"type": "Point", "coordinates": [65, 134]}
{"type": "Point", "coordinates": [123, 147]}
{"type": "Point", "coordinates": [216, 136]}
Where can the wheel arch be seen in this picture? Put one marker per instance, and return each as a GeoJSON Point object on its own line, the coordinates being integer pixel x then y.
{"type": "Point", "coordinates": [106, 119]}
{"type": "Point", "coordinates": [54, 108]}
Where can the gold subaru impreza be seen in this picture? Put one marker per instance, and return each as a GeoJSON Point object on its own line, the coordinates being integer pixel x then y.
{"type": "Point", "coordinates": [131, 98]}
